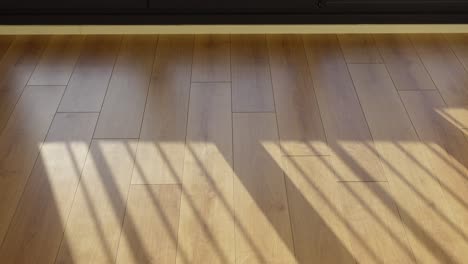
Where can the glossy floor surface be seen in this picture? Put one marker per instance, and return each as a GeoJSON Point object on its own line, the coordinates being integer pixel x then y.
{"type": "Point", "coordinates": [234, 149]}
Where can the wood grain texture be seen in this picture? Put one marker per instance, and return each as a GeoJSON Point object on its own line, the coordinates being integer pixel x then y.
{"type": "Point", "coordinates": [20, 143]}
{"type": "Point", "coordinates": [458, 115]}
{"type": "Point", "coordinates": [206, 227]}
{"type": "Point", "coordinates": [122, 111]}
{"type": "Point", "coordinates": [88, 83]}
{"type": "Point", "coordinates": [5, 43]}
{"type": "Point", "coordinates": [154, 211]}
{"type": "Point", "coordinates": [252, 90]}
{"type": "Point", "coordinates": [448, 73]}
{"type": "Point", "coordinates": [16, 67]}
{"type": "Point", "coordinates": [416, 191]}
{"type": "Point", "coordinates": [58, 60]}
{"type": "Point", "coordinates": [459, 45]}
{"type": "Point", "coordinates": [343, 163]}
{"type": "Point", "coordinates": [260, 192]}
{"type": "Point", "coordinates": [211, 59]}
{"type": "Point", "coordinates": [359, 48]}
{"type": "Point", "coordinates": [319, 228]}
{"type": "Point", "coordinates": [345, 125]}
{"type": "Point", "coordinates": [300, 127]}
{"type": "Point", "coordinates": [447, 151]}
{"type": "Point", "coordinates": [93, 229]}
{"type": "Point", "coordinates": [38, 225]}
{"type": "Point", "coordinates": [378, 233]}
{"type": "Point", "coordinates": [160, 154]}
{"type": "Point", "coordinates": [403, 63]}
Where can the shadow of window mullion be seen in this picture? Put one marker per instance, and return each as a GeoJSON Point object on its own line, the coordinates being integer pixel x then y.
{"type": "Point", "coordinates": [225, 204]}
{"type": "Point", "coordinates": [432, 175]}
{"type": "Point", "coordinates": [64, 244]}
{"type": "Point", "coordinates": [452, 163]}
{"type": "Point", "coordinates": [443, 113]}
{"type": "Point", "coordinates": [341, 152]}
{"type": "Point", "coordinates": [156, 203]}
{"type": "Point", "coordinates": [405, 216]}
{"type": "Point", "coordinates": [444, 187]}
{"type": "Point", "coordinates": [426, 201]}
{"type": "Point", "coordinates": [331, 205]}
{"type": "Point", "coordinates": [111, 187]}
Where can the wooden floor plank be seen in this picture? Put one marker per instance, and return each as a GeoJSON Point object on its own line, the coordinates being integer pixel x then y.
{"type": "Point", "coordinates": [20, 142]}
{"type": "Point", "coordinates": [448, 73]}
{"type": "Point", "coordinates": [211, 59]}
{"type": "Point", "coordinates": [343, 119]}
{"type": "Point", "coordinates": [93, 229]}
{"type": "Point", "coordinates": [206, 227]}
{"type": "Point", "coordinates": [155, 213]}
{"type": "Point", "coordinates": [58, 61]}
{"type": "Point", "coordinates": [372, 214]}
{"type": "Point", "coordinates": [251, 79]}
{"type": "Point", "coordinates": [5, 43]}
{"type": "Point", "coordinates": [319, 228]}
{"type": "Point", "coordinates": [89, 81]}
{"type": "Point", "coordinates": [37, 228]}
{"type": "Point", "coordinates": [456, 115]}
{"type": "Point", "coordinates": [122, 111]}
{"type": "Point", "coordinates": [416, 191]}
{"type": "Point", "coordinates": [311, 157]}
{"type": "Point", "coordinates": [459, 45]}
{"type": "Point", "coordinates": [160, 154]}
{"type": "Point", "coordinates": [359, 48]}
{"type": "Point", "coordinates": [260, 192]}
{"type": "Point", "coordinates": [403, 63]}
{"type": "Point", "coordinates": [447, 151]}
{"type": "Point", "coordinates": [16, 67]}
{"type": "Point", "coordinates": [300, 127]}
{"type": "Point", "coordinates": [459, 114]}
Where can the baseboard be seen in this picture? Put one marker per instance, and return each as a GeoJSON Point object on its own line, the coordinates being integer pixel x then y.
{"type": "Point", "coordinates": [232, 29]}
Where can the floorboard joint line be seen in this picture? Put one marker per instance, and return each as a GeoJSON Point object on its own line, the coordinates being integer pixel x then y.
{"type": "Point", "coordinates": [4, 127]}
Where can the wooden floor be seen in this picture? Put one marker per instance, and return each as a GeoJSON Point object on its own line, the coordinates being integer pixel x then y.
{"type": "Point", "coordinates": [234, 149]}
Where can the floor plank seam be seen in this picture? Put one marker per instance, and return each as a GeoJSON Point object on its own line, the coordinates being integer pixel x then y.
{"type": "Point", "coordinates": [40, 147]}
